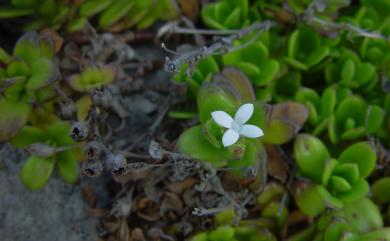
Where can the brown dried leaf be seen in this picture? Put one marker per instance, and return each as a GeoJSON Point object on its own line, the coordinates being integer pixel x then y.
{"type": "Point", "coordinates": [137, 235]}
{"type": "Point", "coordinates": [89, 195]}
{"type": "Point", "coordinates": [123, 232]}
{"type": "Point", "coordinates": [296, 221]}
{"type": "Point", "coordinates": [189, 8]}
{"type": "Point", "coordinates": [171, 202]}
{"type": "Point", "coordinates": [147, 209]}
{"type": "Point", "coordinates": [276, 166]}
{"type": "Point", "coordinates": [181, 186]}
{"type": "Point", "coordinates": [54, 39]}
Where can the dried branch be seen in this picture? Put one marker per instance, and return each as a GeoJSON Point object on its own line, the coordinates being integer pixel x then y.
{"type": "Point", "coordinates": [223, 45]}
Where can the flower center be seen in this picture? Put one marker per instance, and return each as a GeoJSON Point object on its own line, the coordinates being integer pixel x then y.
{"type": "Point", "coordinates": [235, 126]}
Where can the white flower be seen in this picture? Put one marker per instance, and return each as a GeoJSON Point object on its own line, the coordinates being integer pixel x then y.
{"type": "Point", "coordinates": [236, 127]}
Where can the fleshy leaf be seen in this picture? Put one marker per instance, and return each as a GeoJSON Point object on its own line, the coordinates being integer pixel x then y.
{"type": "Point", "coordinates": [27, 136]}
{"type": "Point", "coordinates": [93, 78]}
{"type": "Point", "coordinates": [14, 116]}
{"type": "Point", "coordinates": [375, 117]}
{"type": "Point", "coordinates": [363, 155]}
{"type": "Point", "coordinates": [42, 71]}
{"type": "Point", "coordinates": [222, 233]}
{"type": "Point", "coordinates": [310, 154]}
{"type": "Point", "coordinates": [363, 215]}
{"type": "Point", "coordinates": [36, 172]}
{"type": "Point", "coordinates": [115, 12]}
{"type": "Point", "coordinates": [59, 133]}
{"type": "Point", "coordinates": [90, 8]}
{"type": "Point", "coordinates": [339, 184]}
{"type": "Point", "coordinates": [380, 190]}
{"type": "Point", "coordinates": [67, 166]}
{"type": "Point", "coordinates": [349, 171]}
{"type": "Point", "coordinates": [192, 143]}
{"type": "Point", "coordinates": [312, 200]}
{"type": "Point", "coordinates": [329, 167]}
{"type": "Point", "coordinates": [359, 190]}
{"type": "Point", "coordinates": [241, 83]}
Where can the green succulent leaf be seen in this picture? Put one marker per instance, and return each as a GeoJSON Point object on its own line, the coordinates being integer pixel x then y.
{"type": "Point", "coordinates": [92, 78]}
{"type": "Point", "coordinates": [349, 171]}
{"type": "Point", "coordinates": [58, 132]}
{"type": "Point", "coordinates": [193, 143]}
{"type": "Point", "coordinates": [115, 12]}
{"type": "Point", "coordinates": [329, 167]}
{"type": "Point", "coordinates": [380, 190]}
{"type": "Point", "coordinates": [42, 71]}
{"type": "Point", "coordinates": [15, 115]}
{"type": "Point", "coordinates": [36, 172]}
{"type": "Point", "coordinates": [375, 118]}
{"type": "Point", "coordinates": [339, 184]}
{"type": "Point", "coordinates": [358, 190]}
{"type": "Point", "coordinates": [312, 200]}
{"type": "Point", "coordinates": [17, 68]}
{"type": "Point", "coordinates": [310, 154]}
{"type": "Point", "coordinates": [328, 102]}
{"type": "Point", "coordinates": [362, 215]}
{"type": "Point", "coordinates": [92, 7]}
{"type": "Point", "coordinates": [68, 166]}
{"type": "Point", "coordinates": [14, 12]}
{"type": "Point", "coordinates": [28, 135]}
{"type": "Point", "coordinates": [222, 233]}
{"type": "Point", "coordinates": [361, 154]}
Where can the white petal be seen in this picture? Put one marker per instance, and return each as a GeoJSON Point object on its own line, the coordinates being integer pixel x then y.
{"type": "Point", "coordinates": [243, 114]}
{"type": "Point", "coordinates": [251, 131]}
{"type": "Point", "coordinates": [230, 137]}
{"type": "Point", "coordinates": [222, 118]}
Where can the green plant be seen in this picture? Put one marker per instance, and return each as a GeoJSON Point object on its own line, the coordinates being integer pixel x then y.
{"type": "Point", "coordinates": [123, 14]}
{"type": "Point", "coordinates": [343, 115]}
{"type": "Point", "coordinates": [48, 147]}
{"type": "Point", "coordinates": [228, 93]}
{"type": "Point", "coordinates": [336, 181]}
{"type": "Point", "coordinates": [229, 14]}
{"type": "Point", "coordinates": [47, 13]}
{"type": "Point", "coordinates": [112, 15]}
{"type": "Point", "coordinates": [357, 220]}
{"type": "Point", "coordinates": [253, 61]}
{"type": "Point", "coordinates": [92, 78]}
{"type": "Point", "coordinates": [229, 233]}
{"type": "Point", "coordinates": [25, 79]}
{"type": "Point", "coordinates": [306, 49]}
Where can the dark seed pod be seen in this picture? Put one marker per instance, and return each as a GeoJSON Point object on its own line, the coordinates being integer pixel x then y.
{"type": "Point", "coordinates": [102, 98]}
{"type": "Point", "coordinates": [93, 150]}
{"type": "Point", "coordinates": [79, 131]}
{"type": "Point", "coordinates": [117, 163]}
{"type": "Point", "coordinates": [92, 168]}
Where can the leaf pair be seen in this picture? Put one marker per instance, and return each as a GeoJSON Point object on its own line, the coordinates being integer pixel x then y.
{"type": "Point", "coordinates": [37, 170]}
{"type": "Point", "coordinates": [336, 181]}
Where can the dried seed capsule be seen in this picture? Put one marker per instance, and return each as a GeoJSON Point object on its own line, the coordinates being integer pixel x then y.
{"type": "Point", "coordinates": [155, 150]}
{"type": "Point", "coordinates": [117, 163]}
{"type": "Point", "coordinates": [92, 168]}
{"type": "Point", "coordinates": [40, 149]}
{"type": "Point", "coordinates": [68, 110]}
{"type": "Point", "coordinates": [102, 98]}
{"type": "Point", "coordinates": [93, 150]}
{"type": "Point", "coordinates": [79, 131]}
